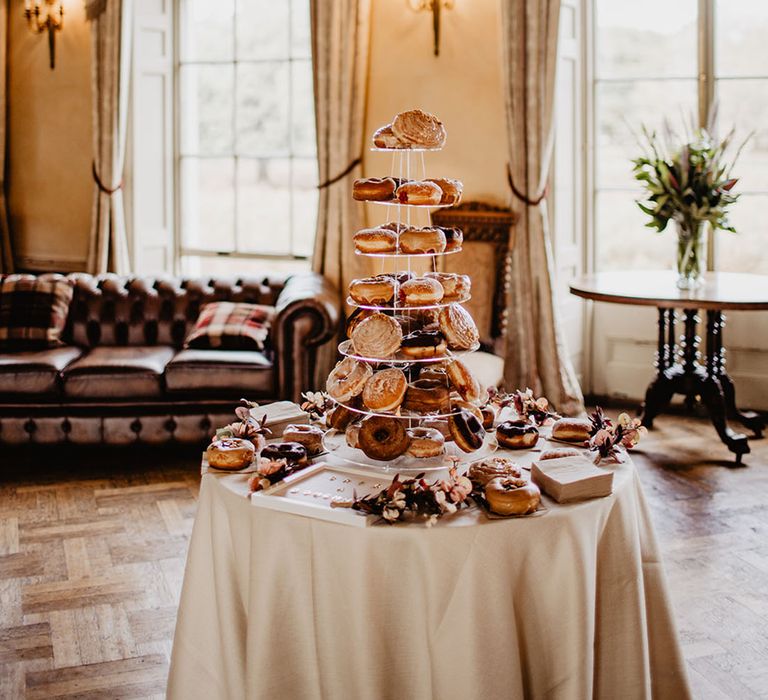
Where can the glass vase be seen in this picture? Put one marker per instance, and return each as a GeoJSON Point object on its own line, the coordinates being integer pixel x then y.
{"type": "Point", "coordinates": [690, 253]}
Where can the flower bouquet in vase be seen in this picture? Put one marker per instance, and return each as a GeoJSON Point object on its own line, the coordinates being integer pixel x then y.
{"type": "Point", "coordinates": [687, 180]}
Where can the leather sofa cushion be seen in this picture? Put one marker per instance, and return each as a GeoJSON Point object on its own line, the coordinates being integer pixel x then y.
{"type": "Point", "coordinates": [118, 373]}
{"type": "Point", "coordinates": [219, 370]}
{"type": "Point", "coordinates": [34, 371]}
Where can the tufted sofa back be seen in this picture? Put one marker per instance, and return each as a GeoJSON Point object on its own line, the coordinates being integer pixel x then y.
{"type": "Point", "coordinates": [114, 310]}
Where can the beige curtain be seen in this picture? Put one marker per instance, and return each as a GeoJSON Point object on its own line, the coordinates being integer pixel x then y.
{"type": "Point", "coordinates": [111, 25]}
{"type": "Point", "coordinates": [6, 255]}
{"type": "Point", "coordinates": [340, 44]}
{"type": "Point", "coordinates": [535, 355]}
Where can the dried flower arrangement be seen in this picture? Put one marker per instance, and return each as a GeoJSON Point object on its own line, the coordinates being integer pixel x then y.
{"type": "Point", "coordinates": [527, 407]}
{"type": "Point", "coordinates": [247, 428]}
{"type": "Point", "coordinates": [607, 439]}
{"type": "Point", "coordinates": [316, 404]}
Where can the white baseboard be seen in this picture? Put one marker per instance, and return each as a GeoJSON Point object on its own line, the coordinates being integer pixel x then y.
{"type": "Point", "coordinates": [58, 263]}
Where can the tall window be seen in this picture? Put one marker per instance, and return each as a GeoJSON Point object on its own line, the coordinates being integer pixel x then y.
{"type": "Point", "coordinates": [656, 59]}
{"type": "Point", "coordinates": [246, 163]}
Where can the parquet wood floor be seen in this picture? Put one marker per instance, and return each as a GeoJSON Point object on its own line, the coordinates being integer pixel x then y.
{"type": "Point", "coordinates": [93, 545]}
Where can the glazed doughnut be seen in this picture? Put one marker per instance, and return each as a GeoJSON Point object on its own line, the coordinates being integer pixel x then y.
{"type": "Point", "coordinates": [451, 189]}
{"type": "Point", "coordinates": [374, 189]}
{"type": "Point", "coordinates": [455, 287]}
{"type": "Point", "coordinates": [340, 417]}
{"type": "Point", "coordinates": [347, 379]}
{"type": "Point", "coordinates": [352, 435]}
{"type": "Point", "coordinates": [375, 240]}
{"type": "Point", "coordinates": [294, 454]}
{"type": "Point", "coordinates": [422, 240]}
{"type": "Point", "coordinates": [419, 129]}
{"type": "Point", "coordinates": [384, 138]}
{"type": "Point", "coordinates": [516, 434]}
{"type": "Point", "coordinates": [378, 336]}
{"type": "Point", "coordinates": [421, 344]}
{"type": "Point", "coordinates": [458, 327]}
{"type": "Point", "coordinates": [358, 315]}
{"type": "Point", "coordinates": [464, 381]}
{"type": "Point", "coordinates": [436, 371]}
{"type": "Point", "coordinates": [467, 431]}
{"type": "Point", "coordinates": [419, 192]}
{"type": "Point", "coordinates": [425, 442]}
{"type": "Point", "coordinates": [509, 496]}
{"type": "Point", "coordinates": [230, 453]}
{"type": "Point", "coordinates": [571, 429]}
{"type": "Point", "coordinates": [308, 435]}
{"type": "Point", "coordinates": [385, 390]}
{"type": "Point", "coordinates": [482, 471]}
{"type": "Point", "coordinates": [489, 416]}
{"type": "Point", "coordinates": [427, 396]}
{"type": "Point", "coordinates": [382, 438]}
{"type": "Point", "coordinates": [559, 452]}
{"type": "Point", "coordinates": [466, 406]}
{"type": "Point", "coordinates": [420, 291]}
{"type": "Point", "coordinates": [454, 237]}
{"type": "Point", "coordinates": [378, 290]}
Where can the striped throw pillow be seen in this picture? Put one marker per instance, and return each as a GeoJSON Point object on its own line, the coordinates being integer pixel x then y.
{"type": "Point", "coordinates": [225, 325]}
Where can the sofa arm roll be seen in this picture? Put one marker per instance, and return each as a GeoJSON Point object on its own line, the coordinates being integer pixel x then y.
{"type": "Point", "coordinates": [307, 316]}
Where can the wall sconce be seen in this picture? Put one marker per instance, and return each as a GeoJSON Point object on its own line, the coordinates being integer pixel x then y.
{"type": "Point", "coordinates": [52, 22]}
{"type": "Point", "coordinates": [436, 6]}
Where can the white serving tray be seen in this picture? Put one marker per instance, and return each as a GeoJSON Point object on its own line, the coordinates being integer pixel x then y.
{"type": "Point", "coordinates": [310, 492]}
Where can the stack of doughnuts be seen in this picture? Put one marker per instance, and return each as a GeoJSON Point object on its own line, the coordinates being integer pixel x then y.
{"type": "Point", "coordinates": [433, 288]}
{"type": "Point", "coordinates": [425, 193]}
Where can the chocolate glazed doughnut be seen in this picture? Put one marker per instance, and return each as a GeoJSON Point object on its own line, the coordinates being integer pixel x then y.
{"type": "Point", "coordinates": [516, 434]}
{"type": "Point", "coordinates": [467, 431]}
{"type": "Point", "coordinates": [292, 452]}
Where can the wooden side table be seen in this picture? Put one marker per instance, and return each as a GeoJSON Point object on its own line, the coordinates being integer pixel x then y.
{"type": "Point", "coordinates": [678, 370]}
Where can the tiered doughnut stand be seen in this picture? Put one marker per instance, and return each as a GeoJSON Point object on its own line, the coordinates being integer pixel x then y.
{"type": "Point", "coordinates": [404, 166]}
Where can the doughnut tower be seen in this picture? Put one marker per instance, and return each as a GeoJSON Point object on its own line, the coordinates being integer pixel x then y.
{"type": "Point", "coordinates": [400, 379]}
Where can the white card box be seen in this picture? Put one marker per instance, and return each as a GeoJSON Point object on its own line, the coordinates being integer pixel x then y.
{"type": "Point", "coordinates": [568, 479]}
{"type": "Point", "coordinates": [279, 415]}
{"type": "Point", "coordinates": [311, 491]}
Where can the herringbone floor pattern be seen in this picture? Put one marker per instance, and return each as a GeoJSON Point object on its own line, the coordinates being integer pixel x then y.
{"type": "Point", "coordinates": [92, 552]}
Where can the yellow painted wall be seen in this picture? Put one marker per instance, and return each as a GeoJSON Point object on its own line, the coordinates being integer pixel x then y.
{"type": "Point", "coordinates": [49, 175]}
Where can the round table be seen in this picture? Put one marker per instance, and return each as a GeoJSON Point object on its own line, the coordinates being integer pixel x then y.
{"type": "Point", "coordinates": [571, 604]}
{"type": "Point", "coordinates": [678, 370]}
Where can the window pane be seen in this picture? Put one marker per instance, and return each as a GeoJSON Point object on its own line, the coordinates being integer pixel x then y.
{"type": "Point", "coordinates": [649, 39]}
{"type": "Point", "coordinates": [623, 242]}
{"type": "Point", "coordinates": [301, 44]}
{"type": "Point", "coordinates": [303, 109]}
{"type": "Point", "coordinates": [623, 107]}
{"type": "Point", "coordinates": [264, 206]}
{"type": "Point", "coordinates": [206, 111]}
{"type": "Point", "coordinates": [744, 104]}
{"type": "Point", "coordinates": [745, 251]}
{"type": "Point", "coordinates": [206, 30]}
{"type": "Point", "coordinates": [262, 109]}
{"type": "Point", "coordinates": [741, 28]}
{"type": "Point", "coordinates": [233, 266]}
{"type": "Point", "coordinates": [207, 203]}
{"type": "Point", "coordinates": [304, 205]}
{"type": "Point", "coordinates": [262, 29]}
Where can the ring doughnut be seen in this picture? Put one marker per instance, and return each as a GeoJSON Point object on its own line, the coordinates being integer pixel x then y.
{"type": "Point", "coordinates": [451, 189]}
{"type": "Point", "coordinates": [516, 434]}
{"type": "Point", "coordinates": [482, 471]}
{"type": "Point", "coordinates": [427, 396]}
{"type": "Point", "coordinates": [464, 381]}
{"type": "Point", "coordinates": [439, 424]}
{"type": "Point", "coordinates": [467, 431]}
{"type": "Point", "coordinates": [421, 291]}
{"type": "Point", "coordinates": [458, 327]}
{"type": "Point", "coordinates": [294, 454]}
{"type": "Point", "coordinates": [374, 189]}
{"type": "Point", "coordinates": [425, 442]}
{"type": "Point", "coordinates": [378, 336]}
{"type": "Point", "coordinates": [347, 379]}
{"type": "Point", "coordinates": [352, 435]}
{"type": "Point", "coordinates": [230, 453]}
{"type": "Point", "coordinates": [419, 192]}
{"type": "Point", "coordinates": [422, 240]}
{"type": "Point", "coordinates": [454, 237]}
{"type": "Point", "coordinates": [382, 438]}
{"type": "Point", "coordinates": [419, 129]}
{"type": "Point", "coordinates": [385, 390]}
{"type": "Point", "coordinates": [489, 415]}
{"type": "Point", "coordinates": [509, 496]}
{"type": "Point", "coordinates": [384, 138]}
{"type": "Point", "coordinates": [375, 240]}
{"type": "Point", "coordinates": [340, 417]}
{"type": "Point", "coordinates": [420, 344]}
{"type": "Point", "coordinates": [373, 290]}
{"type": "Point", "coordinates": [308, 435]}
{"type": "Point", "coordinates": [358, 315]}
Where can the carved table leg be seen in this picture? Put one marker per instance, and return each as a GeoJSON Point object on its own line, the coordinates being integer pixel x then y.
{"type": "Point", "coordinates": [660, 391]}
{"type": "Point", "coordinates": [716, 368]}
{"type": "Point", "coordinates": [690, 357]}
{"type": "Point", "coordinates": [714, 399]}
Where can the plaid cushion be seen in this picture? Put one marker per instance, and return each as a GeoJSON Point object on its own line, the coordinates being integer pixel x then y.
{"type": "Point", "coordinates": [33, 311]}
{"type": "Point", "coordinates": [229, 326]}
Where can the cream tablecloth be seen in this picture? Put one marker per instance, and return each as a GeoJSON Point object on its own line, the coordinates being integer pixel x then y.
{"type": "Point", "coordinates": [570, 605]}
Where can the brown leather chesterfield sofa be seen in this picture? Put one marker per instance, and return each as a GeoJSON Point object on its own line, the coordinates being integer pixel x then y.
{"type": "Point", "coordinates": [124, 377]}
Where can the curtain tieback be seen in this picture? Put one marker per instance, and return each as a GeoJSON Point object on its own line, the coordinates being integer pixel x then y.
{"type": "Point", "coordinates": [342, 174]}
{"type": "Point", "coordinates": [102, 187]}
{"type": "Point", "coordinates": [531, 202]}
